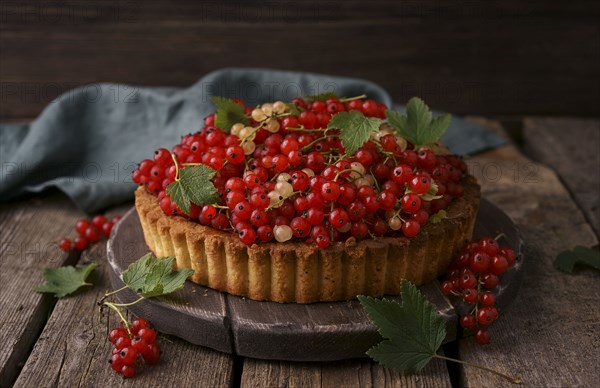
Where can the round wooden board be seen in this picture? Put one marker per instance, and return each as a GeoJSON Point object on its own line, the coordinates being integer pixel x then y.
{"type": "Point", "coordinates": [295, 332]}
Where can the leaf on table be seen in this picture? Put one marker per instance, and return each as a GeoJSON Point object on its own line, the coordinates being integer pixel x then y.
{"type": "Point", "coordinates": [418, 125]}
{"type": "Point", "coordinates": [413, 331]}
{"type": "Point", "coordinates": [355, 129]}
{"type": "Point", "coordinates": [193, 186]}
{"type": "Point", "coordinates": [228, 113]}
{"type": "Point", "coordinates": [566, 260]}
{"type": "Point", "coordinates": [154, 277]}
{"type": "Point", "coordinates": [63, 281]}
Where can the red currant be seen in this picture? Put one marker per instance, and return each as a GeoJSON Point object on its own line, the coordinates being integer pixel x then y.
{"type": "Point", "coordinates": [80, 243]}
{"type": "Point", "coordinates": [65, 244]}
{"type": "Point", "coordinates": [482, 336]}
{"type": "Point", "coordinates": [411, 228]}
{"type": "Point", "coordinates": [468, 322]}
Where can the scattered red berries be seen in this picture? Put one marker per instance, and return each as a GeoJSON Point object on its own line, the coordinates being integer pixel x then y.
{"type": "Point", "coordinates": [89, 232]}
{"type": "Point", "coordinates": [131, 346]}
{"type": "Point", "coordinates": [473, 276]}
{"type": "Point", "coordinates": [283, 177]}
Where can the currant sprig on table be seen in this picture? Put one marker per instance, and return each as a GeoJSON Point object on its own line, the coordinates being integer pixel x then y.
{"type": "Point", "coordinates": [136, 341]}
{"type": "Point", "coordinates": [473, 276]}
{"type": "Point", "coordinates": [89, 231]}
{"type": "Point", "coordinates": [320, 170]}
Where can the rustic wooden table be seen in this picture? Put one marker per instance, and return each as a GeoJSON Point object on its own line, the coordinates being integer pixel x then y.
{"type": "Point", "coordinates": [550, 336]}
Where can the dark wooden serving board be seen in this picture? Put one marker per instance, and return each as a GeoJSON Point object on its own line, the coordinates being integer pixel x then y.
{"type": "Point", "coordinates": [268, 330]}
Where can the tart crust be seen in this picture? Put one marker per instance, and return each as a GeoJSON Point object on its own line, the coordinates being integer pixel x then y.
{"type": "Point", "coordinates": [303, 273]}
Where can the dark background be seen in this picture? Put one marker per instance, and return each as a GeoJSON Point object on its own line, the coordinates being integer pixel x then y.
{"type": "Point", "coordinates": [501, 59]}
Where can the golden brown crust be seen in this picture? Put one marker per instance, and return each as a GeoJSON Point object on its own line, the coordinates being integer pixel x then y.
{"type": "Point", "coordinates": [303, 273]}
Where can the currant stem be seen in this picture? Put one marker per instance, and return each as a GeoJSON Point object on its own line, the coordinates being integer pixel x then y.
{"type": "Point", "coordinates": [302, 129]}
{"type": "Point", "coordinates": [514, 380]}
{"type": "Point", "coordinates": [254, 130]}
{"type": "Point", "coordinates": [309, 145]}
{"type": "Point", "coordinates": [353, 98]}
{"type": "Point", "coordinates": [118, 311]}
{"type": "Point", "coordinates": [128, 304]}
{"type": "Point", "coordinates": [271, 206]}
{"type": "Point", "coordinates": [337, 175]}
{"type": "Point", "coordinates": [176, 166]}
{"type": "Point", "coordinates": [115, 291]}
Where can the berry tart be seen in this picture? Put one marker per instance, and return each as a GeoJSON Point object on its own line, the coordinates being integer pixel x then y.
{"type": "Point", "coordinates": [319, 199]}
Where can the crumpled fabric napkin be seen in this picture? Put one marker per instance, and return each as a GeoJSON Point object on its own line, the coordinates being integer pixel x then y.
{"type": "Point", "coordinates": [89, 140]}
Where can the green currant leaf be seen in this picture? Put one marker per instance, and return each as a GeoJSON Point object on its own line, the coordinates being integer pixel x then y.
{"type": "Point", "coordinates": [163, 280]}
{"type": "Point", "coordinates": [320, 97]}
{"type": "Point", "coordinates": [430, 195]}
{"type": "Point", "coordinates": [154, 277]}
{"type": "Point", "coordinates": [228, 113]}
{"type": "Point", "coordinates": [355, 129]}
{"type": "Point", "coordinates": [418, 125]}
{"type": "Point", "coordinates": [413, 331]}
{"type": "Point", "coordinates": [293, 109]}
{"type": "Point", "coordinates": [566, 260]}
{"type": "Point", "coordinates": [135, 274]}
{"type": "Point", "coordinates": [438, 217]}
{"type": "Point", "coordinates": [63, 281]}
{"type": "Point", "coordinates": [193, 186]}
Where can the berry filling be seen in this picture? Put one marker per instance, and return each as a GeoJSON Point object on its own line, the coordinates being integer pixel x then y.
{"type": "Point", "coordinates": [292, 172]}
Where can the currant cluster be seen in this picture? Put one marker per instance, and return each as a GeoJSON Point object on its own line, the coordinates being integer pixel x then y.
{"type": "Point", "coordinates": [139, 341]}
{"type": "Point", "coordinates": [286, 176]}
{"type": "Point", "coordinates": [473, 276]}
{"type": "Point", "coordinates": [89, 231]}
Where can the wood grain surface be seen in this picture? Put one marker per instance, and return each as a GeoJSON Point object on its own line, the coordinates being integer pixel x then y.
{"type": "Point", "coordinates": [550, 334]}
{"type": "Point", "coordinates": [73, 349]}
{"type": "Point", "coordinates": [495, 57]}
{"type": "Point", "coordinates": [30, 230]}
{"type": "Point", "coordinates": [349, 373]}
{"type": "Point", "coordinates": [558, 144]}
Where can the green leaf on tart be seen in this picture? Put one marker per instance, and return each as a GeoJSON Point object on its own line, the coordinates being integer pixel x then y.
{"type": "Point", "coordinates": [566, 260]}
{"type": "Point", "coordinates": [193, 186]}
{"type": "Point", "coordinates": [418, 125]}
{"type": "Point", "coordinates": [438, 217]}
{"type": "Point", "coordinates": [431, 194]}
{"type": "Point", "coordinates": [413, 331]}
{"type": "Point", "coordinates": [355, 129]}
{"type": "Point", "coordinates": [63, 281]}
{"type": "Point", "coordinates": [228, 113]}
{"type": "Point", "coordinates": [293, 109]}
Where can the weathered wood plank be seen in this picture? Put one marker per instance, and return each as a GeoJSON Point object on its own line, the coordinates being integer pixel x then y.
{"type": "Point", "coordinates": [30, 229]}
{"type": "Point", "coordinates": [550, 334]}
{"type": "Point", "coordinates": [315, 332]}
{"type": "Point", "coordinates": [73, 349]}
{"type": "Point", "coordinates": [350, 373]}
{"type": "Point", "coordinates": [451, 56]}
{"type": "Point", "coordinates": [571, 147]}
